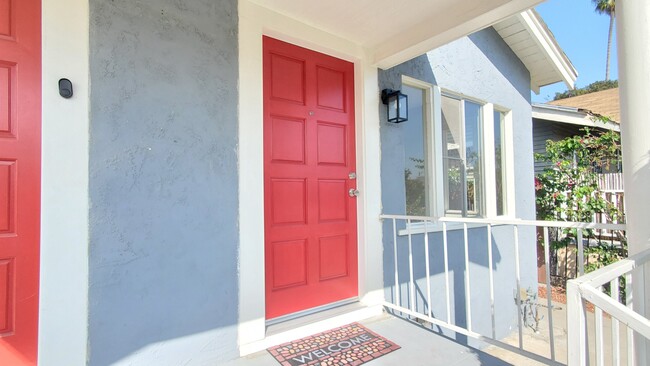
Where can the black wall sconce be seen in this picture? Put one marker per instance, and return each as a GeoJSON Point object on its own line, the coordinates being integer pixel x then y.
{"type": "Point", "coordinates": [398, 110]}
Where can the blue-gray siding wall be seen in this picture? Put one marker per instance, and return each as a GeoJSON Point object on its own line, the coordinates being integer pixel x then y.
{"type": "Point", "coordinates": [543, 131]}
{"type": "Point", "coordinates": [480, 66]}
{"type": "Point", "coordinates": [163, 182]}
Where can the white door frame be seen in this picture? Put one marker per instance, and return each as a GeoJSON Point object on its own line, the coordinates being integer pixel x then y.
{"type": "Point", "coordinates": [254, 22]}
{"type": "Point", "coordinates": [64, 185]}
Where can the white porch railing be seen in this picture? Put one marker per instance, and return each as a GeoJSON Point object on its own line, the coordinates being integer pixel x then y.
{"type": "Point", "coordinates": [407, 229]}
{"type": "Point", "coordinates": [618, 304]}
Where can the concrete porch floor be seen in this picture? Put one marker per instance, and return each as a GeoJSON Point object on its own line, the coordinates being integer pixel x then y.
{"type": "Point", "coordinates": [539, 342]}
{"type": "Point", "coordinates": [418, 347]}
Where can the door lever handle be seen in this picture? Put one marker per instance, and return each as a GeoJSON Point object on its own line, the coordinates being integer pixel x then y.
{"type": "Point", "coordinates": [353, 192]}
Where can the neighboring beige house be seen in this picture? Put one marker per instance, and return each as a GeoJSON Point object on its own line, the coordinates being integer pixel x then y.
{"type": "Point", "coordinates": [604, 103]}
{"type": "Point", "coordinates": [566, 117]}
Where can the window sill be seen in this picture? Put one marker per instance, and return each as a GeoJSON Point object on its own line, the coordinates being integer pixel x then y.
{"type": "Point", "coordinates": [419, 227]}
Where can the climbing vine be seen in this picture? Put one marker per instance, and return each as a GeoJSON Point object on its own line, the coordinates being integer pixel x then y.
{"type": "Point", "coordinates": [567, 190]}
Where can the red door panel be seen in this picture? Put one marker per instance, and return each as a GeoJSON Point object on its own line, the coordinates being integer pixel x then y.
{"type": "Point", "coordinates": [310, 220]}
{"type": "Point", "coordinates": [20, 136]}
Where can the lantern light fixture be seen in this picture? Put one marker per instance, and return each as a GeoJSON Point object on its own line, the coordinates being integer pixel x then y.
{"type": "Point", "coordinates": [397, 105]}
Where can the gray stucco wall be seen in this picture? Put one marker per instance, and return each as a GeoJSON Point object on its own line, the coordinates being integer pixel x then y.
{"type": "Point", "coordinates": [163, 182]}
{"type": "Point", "coordinates": [481, 66]}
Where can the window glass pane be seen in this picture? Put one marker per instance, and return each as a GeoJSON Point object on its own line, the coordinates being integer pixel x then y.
{"type": "Point", "coordinates": [473, 158]}
{"type": "Point", "coordinates": [453, 154]}
{"type": "Point", "coordinates": [415, 175]}
{"type": "Point", "coordinates": [499, 161]}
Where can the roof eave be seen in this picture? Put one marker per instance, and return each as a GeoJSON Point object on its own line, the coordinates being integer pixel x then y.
{"type": "Point", "coordinates": [543, 37]}
{"type": "Point", "coordinates": [571, 115]}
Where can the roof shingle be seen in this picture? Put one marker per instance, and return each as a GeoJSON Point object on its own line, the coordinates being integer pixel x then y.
{"type": "Point", "coordinates": [605, 103]}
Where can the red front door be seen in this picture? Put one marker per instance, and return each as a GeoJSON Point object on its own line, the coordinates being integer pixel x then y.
{"type": "Point", "coordinates": [20, 150]}
{"type": "Point", "coordinates": [310, 220]}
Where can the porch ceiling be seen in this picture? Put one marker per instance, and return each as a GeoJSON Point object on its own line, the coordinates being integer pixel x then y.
{"type": "Point", "coordinates": [396, 31]}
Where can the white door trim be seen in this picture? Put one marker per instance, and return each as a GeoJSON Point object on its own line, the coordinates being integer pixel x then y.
{"type": "Point", "coordinates": [254, 22]}
{"type": "Point", "coordinates": [64, 182]}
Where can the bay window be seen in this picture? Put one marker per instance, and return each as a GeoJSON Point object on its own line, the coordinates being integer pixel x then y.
{"type": "Point", "coordinates": [456, 154]}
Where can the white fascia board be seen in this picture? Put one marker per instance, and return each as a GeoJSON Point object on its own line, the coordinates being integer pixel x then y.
{"type": "Point", "coordinates": [572, 117]}
{"type": "Point", "coordinates": [547, 43]}
{"type": "Point", "coordinates": [436, 32]}
{"type": "Point", "coordinates": [534, 87]}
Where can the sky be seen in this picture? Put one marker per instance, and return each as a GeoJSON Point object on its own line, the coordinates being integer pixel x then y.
{"type": "Point", "coordinates": [582, 34]}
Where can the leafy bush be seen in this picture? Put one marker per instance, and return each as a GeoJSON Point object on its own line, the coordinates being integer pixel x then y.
{"type": "Point", "coordinates": [568, 191]}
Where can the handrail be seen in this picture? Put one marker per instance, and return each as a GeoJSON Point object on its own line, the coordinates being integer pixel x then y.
{"type": "Point", "coordinates": [415, 229]}
{"type": "Point", "coordinates": [606, 274]}
{"type": "Point", "coordinates": [589, 288]}
{"type": "Point", "coordinates": [626, 315]}
{"type": "Point", "coordinates": [501, 221]}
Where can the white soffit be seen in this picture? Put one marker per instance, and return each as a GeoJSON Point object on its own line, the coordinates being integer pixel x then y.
{"type": "Point", "coordinates": [572, 116]}
{"type": "Point", "coordinates": [396, 31]}
{"type": "Point", "coordinates": [532, 41]}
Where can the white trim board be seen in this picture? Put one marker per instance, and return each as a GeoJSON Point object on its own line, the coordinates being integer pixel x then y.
{"type": "Point", "coordinates": [572, 116]}
{"type": "Point", "coordinates": [434, 33]}
{"type": "Point", "coordinates": [64, 194]}
{"type": "Point", "coordinates": [396, 32]}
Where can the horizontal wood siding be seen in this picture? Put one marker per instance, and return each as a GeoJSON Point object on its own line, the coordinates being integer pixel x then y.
{"type": "Point", "coordinates": [545, 130]}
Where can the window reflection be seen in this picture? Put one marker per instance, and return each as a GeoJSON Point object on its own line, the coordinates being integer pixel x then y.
{"type": "Point", "coordinates": [415, 171]}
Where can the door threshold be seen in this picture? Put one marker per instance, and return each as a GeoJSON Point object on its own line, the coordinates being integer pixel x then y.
{"type": "Point", "coordinates": [290, 330]}
{"type": "Point", "coordinates": [301, 315]}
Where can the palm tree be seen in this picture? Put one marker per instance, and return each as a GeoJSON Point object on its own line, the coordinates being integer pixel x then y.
{"type": "Point", "coordinates": [607, 7]}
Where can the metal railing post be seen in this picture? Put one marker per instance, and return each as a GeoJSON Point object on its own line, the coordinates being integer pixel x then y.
{"type": "Point", "coordinates": [549, 292]}
{"type": "Point", "coordinates": [411, 279]}
{"type": "Point", "coordinates": [446, 255]}
{"type": "Point", "coordinates": [468, 291]}
{"type": "Point", "coordinates": [397, 286]}
{"type": "Point", "coordinates": [491, 277]}
{"type": "Point", "coordinates": [576, 326]}
{"type": "Point", "coordinates": [427, 269]}
{"type": "Point", "coordinates": [520, 315]}
{"type": "Point", "coordinates": [616, 332]}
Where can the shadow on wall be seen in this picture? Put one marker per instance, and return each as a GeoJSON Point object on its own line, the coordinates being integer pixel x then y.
{"type": "Point", "coordinates": [393, 201]}
{"type": "Point", "coordinates": [457, 292]}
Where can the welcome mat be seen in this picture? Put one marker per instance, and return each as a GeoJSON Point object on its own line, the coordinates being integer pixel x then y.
{"type": "Point", "coordinates": [349, 345]}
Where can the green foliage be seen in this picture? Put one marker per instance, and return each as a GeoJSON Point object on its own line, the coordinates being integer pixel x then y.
{"type": "Point", "coordinates": [568, 191]}
{"type": "Point", "coordinates": [607, 7]}
{"type": "Point", "coordinates": [415, 189]}
{"type": "Point", "coordinates": [591, 88]}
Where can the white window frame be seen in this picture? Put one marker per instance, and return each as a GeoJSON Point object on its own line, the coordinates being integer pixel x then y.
{"type": "Point", "coordinates": [508, 164]}
{"type": "Point", "coordinates": [463, 98]}
{"type": "Point", "coordinates": [434, 149]}
{"type": "Point", "coordinates": [434, 189]}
